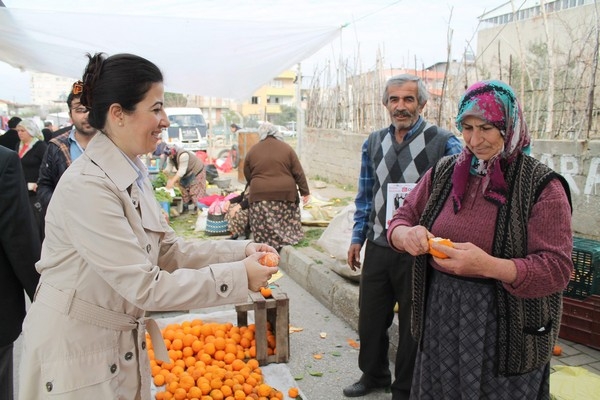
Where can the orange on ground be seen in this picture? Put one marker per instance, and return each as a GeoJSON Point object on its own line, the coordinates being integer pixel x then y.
{"type": "Point", "coordinates": [293, 392]}
{"type": "Point", "coordinates": [557, 350]}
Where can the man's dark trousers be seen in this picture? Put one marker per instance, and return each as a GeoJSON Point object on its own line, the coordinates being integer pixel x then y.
{"type": "Point", "coordinates": [386, 279]}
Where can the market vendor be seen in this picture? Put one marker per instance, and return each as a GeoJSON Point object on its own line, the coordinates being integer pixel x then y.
{"type": "Point", "coordinates": [188, 171]}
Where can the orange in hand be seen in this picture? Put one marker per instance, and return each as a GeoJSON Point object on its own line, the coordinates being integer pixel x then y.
{"type": "Point", "coordinates": [438, 240]}
{"type": "Point", "coordinates": [269, 260]}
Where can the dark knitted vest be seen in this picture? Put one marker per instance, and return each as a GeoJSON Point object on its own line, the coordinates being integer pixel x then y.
{"type": "Point", "coordinates": [527, 328]}
{"type": "Point", "coordinates": [195, 165]}
{"type": "Point", "coordinates": [402, 162]}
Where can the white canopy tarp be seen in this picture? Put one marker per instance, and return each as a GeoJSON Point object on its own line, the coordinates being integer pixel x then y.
{"type": "Point", "coordinates": [207, 57]}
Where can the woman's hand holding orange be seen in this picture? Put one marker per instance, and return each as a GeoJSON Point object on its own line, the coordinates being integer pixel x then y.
{"type": "Point", "coordinates": [258, 274]}
{"type": "Point", "coordinates": [252, 248]}
{"type": "Point", "coordinates": [466, 259]}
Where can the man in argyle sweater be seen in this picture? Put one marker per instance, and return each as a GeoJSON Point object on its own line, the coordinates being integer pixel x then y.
{"type": "Point", "coordinates": [400, 153]}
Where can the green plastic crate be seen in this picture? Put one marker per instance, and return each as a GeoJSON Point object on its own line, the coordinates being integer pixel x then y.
{"type": "Point", "coordinates": [585, 280]}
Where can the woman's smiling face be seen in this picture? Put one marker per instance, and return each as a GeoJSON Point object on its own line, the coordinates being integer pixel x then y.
{"type": "Point", "coordinates": [145, 124]}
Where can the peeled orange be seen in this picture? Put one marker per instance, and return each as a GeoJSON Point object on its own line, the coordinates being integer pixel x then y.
{"type": "Point", "coordinates": [438, 240]}
{"type": "Point", "coordinates": [269, 260]}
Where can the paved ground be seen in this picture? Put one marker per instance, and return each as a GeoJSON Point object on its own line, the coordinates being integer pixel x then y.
{"type": "Point", "coordinates": [323, 302]}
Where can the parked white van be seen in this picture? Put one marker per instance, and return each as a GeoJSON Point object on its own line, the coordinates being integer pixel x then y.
{"type": "Point", "coordinates": [188, 128]}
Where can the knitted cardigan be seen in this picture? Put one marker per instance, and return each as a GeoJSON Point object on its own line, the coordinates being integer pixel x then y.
{"type": "Point", "coordinates": [527, 328]}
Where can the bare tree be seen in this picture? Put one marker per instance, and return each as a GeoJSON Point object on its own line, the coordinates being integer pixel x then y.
{"type": "Point", "coordinates": [551, 73]}
{"type": "Point", "coordinates": [448, 59]}
{"type": "Point", "coordinates": [590, 102]}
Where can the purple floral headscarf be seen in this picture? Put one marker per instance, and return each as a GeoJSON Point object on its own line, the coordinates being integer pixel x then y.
{"type": "Point", "coordinates": [495, 102]}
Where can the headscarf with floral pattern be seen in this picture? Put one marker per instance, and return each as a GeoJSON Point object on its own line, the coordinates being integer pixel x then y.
{"type": "Point", "coordinates": [495, 102]}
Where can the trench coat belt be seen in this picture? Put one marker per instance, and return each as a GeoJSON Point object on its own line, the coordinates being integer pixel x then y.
{"type": "Point", "coordinates": [66, 303]}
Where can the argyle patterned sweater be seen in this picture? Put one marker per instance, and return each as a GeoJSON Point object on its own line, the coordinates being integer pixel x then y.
{"type": "Point", "coordinates": [404, 162]}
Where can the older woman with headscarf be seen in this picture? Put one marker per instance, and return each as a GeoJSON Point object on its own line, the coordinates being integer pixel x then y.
{"type": "Point", "coordinates": [486, 317]}
{"type": "Point", "coordinates": [31, 151]}
{"type": "Point", "coordinates": [275, 175]}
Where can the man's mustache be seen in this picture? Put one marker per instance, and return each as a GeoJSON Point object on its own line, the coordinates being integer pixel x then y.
{"type": "Point", "coordinates": [402, 113]}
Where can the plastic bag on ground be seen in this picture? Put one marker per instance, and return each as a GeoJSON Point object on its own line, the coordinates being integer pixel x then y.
{"type": "Point", "coordinates": [335, 241]}
{"type": "Point", "coordinates": [573, 383]}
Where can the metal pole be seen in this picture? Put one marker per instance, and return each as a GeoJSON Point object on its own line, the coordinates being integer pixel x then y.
{"type": "Point", "coordinates": [299, 113]}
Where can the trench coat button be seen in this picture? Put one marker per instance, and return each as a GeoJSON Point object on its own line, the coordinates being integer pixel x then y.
{"type": "Point", "coordinates": [148, 248]}
{"type": "Point", "coordinates": [143, 345]}
{"type": "Point", "coordinates": [49, 386]}
{"type": "Point", "coordinates": [224, 288]}
{"type": "Point", "coordinates": [113, 368]}
{"type": "Point", "coordinates": [128, 355]}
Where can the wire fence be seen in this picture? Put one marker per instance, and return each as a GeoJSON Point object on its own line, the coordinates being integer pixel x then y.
{"type": "Point", "coordinates": [555, 79]}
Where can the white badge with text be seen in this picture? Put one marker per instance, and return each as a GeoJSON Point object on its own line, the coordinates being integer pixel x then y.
{"type": "Point", "coordinates": [396, 193]}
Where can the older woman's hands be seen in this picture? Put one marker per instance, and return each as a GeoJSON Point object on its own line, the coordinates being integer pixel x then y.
{"type": "Point", "coordinates": [411, 239]}
{"type": "Point", "coordinates": [258, 274]}
{"type": "Point", "coordinates": [467, 259]}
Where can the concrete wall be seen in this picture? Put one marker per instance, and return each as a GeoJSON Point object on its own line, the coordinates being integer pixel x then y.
{"type": "Point", "coordinates": [334, 156]}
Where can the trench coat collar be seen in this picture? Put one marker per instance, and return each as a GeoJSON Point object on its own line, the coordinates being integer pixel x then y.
{"type": "Point", "coordinates": [104, 153]}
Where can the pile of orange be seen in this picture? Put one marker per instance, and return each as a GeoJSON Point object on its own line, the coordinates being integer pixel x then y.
{"type": "Point", "coordinates": [211, 361]}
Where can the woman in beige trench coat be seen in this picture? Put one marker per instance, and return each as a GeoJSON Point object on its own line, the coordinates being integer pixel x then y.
{"type": "Point", "coordinates": [109, 255]}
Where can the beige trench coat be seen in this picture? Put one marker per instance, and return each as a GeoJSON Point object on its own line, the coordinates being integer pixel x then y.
{"type": "Point", "coordinates": [108, 245]}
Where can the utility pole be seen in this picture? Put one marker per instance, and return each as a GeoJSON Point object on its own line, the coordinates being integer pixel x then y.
{"type": "Point", "coordinates": [299, 112]}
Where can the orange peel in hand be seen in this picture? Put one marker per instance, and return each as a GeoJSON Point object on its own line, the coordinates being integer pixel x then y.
{"type": "Point", "coordinates": [442, 241]}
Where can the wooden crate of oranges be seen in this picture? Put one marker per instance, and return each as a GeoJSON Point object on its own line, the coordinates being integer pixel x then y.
{"type": "Point", "coordinates": [271, 320]}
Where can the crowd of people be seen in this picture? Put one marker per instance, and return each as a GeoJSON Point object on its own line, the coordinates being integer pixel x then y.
{"type": "Point", "coordinates": [90, 248]}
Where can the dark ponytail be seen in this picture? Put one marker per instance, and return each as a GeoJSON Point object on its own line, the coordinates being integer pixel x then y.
{"type": "Point", "coordinates": [122, 78]}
